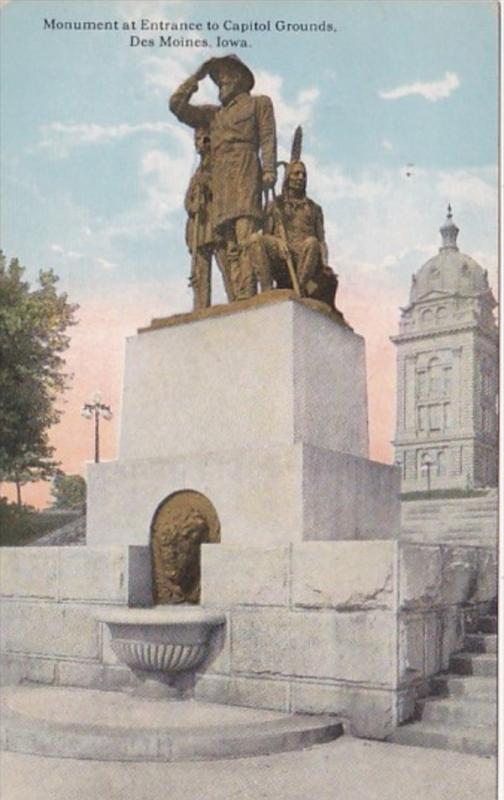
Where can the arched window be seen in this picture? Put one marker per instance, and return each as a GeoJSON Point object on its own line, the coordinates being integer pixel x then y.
{"type": "Point", "coordinates": [427, 317]}
{"type": "Point", "coordinates": [422, 418]}
{"type": "Point", "coordinates": [441, 313]}
{"type": "Point", "coordinates": [434, 370]}
{"type": "Point", "coordinates": [421, 383]}
{"type": "Point", "coordinates": [447, 380]}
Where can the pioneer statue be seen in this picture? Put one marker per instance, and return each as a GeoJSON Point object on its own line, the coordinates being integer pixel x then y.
{"type": "Point", "coordinates": [243, 161]}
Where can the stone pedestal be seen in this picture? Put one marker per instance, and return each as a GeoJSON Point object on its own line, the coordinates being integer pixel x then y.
{"type": "Point", "coordinates": [262, 407]}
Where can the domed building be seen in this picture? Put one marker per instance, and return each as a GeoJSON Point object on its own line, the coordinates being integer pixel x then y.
{"type": "Point", "coordinates": [447, 374]}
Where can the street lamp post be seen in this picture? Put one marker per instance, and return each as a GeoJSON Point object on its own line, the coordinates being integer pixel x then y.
{"type": "Point", "coordinates": [96, 409]}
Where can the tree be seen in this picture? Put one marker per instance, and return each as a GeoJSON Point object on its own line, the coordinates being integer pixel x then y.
{"type": "Point", "coordinates": [69, 491]}
{"type": "Point", "coordinates": [32, 339]}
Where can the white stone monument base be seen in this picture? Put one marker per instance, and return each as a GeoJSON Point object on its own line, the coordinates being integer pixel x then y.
{"type": "Point", "coordinates": [268, 496]}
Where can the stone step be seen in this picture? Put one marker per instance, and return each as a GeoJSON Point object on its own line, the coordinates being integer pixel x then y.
{"type": "Point", "coordinates": [470, 687]}
{"type": "Point", "coordinates": [481, 642]}
{"type": "Point", "coordinates": [476, 740]}
{"type": "Point", "coordinates": [115, 726]}
{"type": "Point", "coordinates": [453, 711]}
{"type": "Point", "coordinates": [475, 515]}
{"type": "Point", "coordinates": [481, 664]}
{"type": "Point", "coordinates": [433, 536]}
{"type": "Point", "coordinates": [466, 525]}
{"type": "Point", "coordinates": [488, 624]}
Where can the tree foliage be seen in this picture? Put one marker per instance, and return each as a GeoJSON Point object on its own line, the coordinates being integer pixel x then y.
{"type": "Point", "coordinates": [69, 491]}
{"type": "Point", "coordinates": [33, 324]}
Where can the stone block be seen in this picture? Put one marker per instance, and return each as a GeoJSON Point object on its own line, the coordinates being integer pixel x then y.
{"type": "Point", "coordinates": [378, 507]}
{"type": "Point", "coordinates": [107, 655]}
{"type": "Point", "coordinates": [411, 648]}
{"type": "Point", "coordinates": [433, 643]}
{"type": "Point", "coordinates": [29, 572]}
{"type": "Point", "coordinates": [140, 580]}
{"type": "Point", "coordinates": [487, 575]}
{"type": "Point", "coordinates": [238, 575]}
{"type": "Point", "coordinates": [211, 688]}
{"type": "Point", "coordinates": [18, 668]}
{"type": "Point", "coordinates": [259, 693]}
{"type": "Point", "coordinates": [368, 712]}
{"type": "Point", "coordinates": [243, 691]}
{"type": "Point", "coordinates": [329, 362]}
{"type": "Point", "coordinates": [49, 629]}
{"type": "Point", "coordinates": [346, 576]}
{"type": "Point", "coordinates": [93, 676]}
{"type": "Point", "coordinates": [219, 650]}
{"type": "Point", "coordinates": [406, 704]}
{"type": "Point", "coordinates": [460, 574]}
{"type": "Point", "coordinates": [262, 642]}
{"type": "Point", "coordinates": [346, 497]}
{"type": "Point", "coordinates": [356, 646]}
{"type": "Point", "coordinates": [419, 576]}
{"type": "Point", "coordinates": [93, 574]}
{"type": "Point", "coordinates": [452, 634]}
{"type": "Point", "coordinates": [226, 362]}
{"type": "Point", "coordinates": [256, 493]}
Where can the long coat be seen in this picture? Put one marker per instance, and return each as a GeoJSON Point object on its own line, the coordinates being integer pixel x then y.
{"type": "Point", "coordinates": [239, 132]}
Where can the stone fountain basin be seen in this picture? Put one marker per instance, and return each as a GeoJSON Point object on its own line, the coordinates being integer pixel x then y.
{"type": "Point", "coordinates": [167, 639]}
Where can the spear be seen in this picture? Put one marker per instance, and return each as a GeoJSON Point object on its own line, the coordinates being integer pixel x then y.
{"type": "Point", "coordinates": [283, 237]}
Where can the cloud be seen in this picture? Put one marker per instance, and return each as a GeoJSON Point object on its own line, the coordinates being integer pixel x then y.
{"type": "Point", "coordinates": [288, 114]}
{"type": "Point", "coordinates": [164, 73]}
{"type": "Point", "coordinates": [73, 255]}
{"type": "Point", "coordinates": [434, 91]}
{"type": "Point", "coordinates": [469, 187]}
{"type": "Point", "coordinates": [381, 227]}
{"type": "Point", "coordinates": [387, 145]}
{"type": "Point", "coordinates": [61, 137]}
{"type": "Point", "coordinates": [105, 264]}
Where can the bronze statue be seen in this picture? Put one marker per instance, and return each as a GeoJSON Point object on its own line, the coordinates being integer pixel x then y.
{"type": "Point", "coordinates": [243, 161]}
{"type": "Point", "coordinates": [292, 251]}
{"type": "Point", "coordinates": [201, 240]}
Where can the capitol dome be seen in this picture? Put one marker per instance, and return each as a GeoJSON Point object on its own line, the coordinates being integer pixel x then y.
{"type": "Point", "coordinates": [450, 271]}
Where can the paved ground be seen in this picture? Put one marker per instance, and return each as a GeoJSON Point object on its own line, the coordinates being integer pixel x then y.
{"type": "Point", "coordinates": [347, 769]}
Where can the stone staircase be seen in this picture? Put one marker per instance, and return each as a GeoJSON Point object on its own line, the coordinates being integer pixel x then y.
{"type": "Point", "coordinates": [459, 521]}
{"type": "Point", "coordinates": [461, 713]}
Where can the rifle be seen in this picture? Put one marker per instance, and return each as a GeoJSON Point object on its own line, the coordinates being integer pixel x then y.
{"type": "Point", "coordinates": [193, 278]}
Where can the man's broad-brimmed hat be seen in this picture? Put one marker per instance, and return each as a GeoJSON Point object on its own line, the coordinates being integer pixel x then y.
{"type": "Point", "coordinates": [231, 64]}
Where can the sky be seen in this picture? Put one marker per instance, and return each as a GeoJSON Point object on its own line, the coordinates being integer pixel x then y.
{"type": "Point", "coordinates": [94, 167]}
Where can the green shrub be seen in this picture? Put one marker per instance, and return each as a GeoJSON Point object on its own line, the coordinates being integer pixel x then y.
{"type": "Point", "coordinates": [23, 525]}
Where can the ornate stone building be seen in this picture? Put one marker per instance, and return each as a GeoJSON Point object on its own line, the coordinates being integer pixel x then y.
{"type": "Point", "coordinates": [447, 368]}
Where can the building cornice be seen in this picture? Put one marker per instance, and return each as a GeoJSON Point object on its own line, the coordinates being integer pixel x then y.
{"type": "Point", "coordinates": [448, 439]}
{"type": "Point", "coordinates": [474, 327]}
